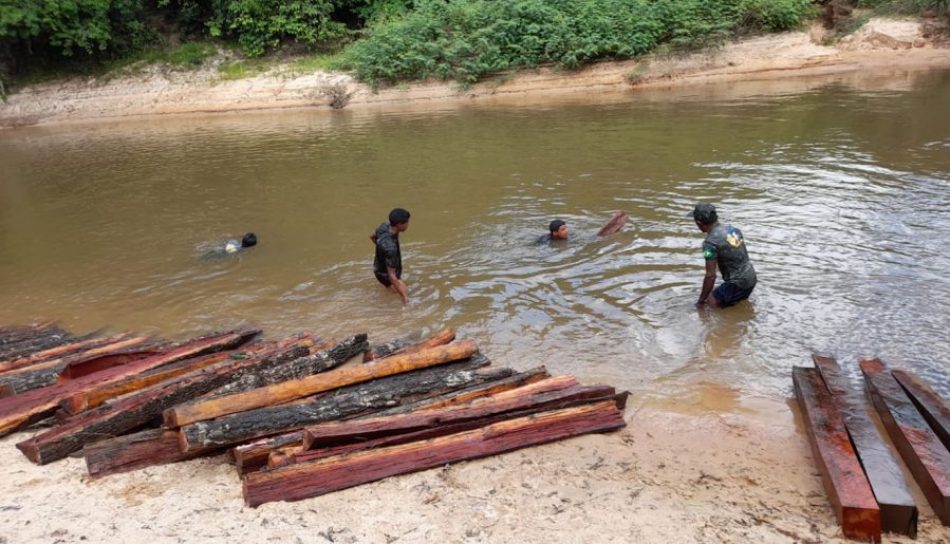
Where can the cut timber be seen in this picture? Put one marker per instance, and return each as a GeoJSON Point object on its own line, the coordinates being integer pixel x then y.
{"type": "Point", "coordinates": [327, 381]}
{"type": "Point", "coordinates": [134, 451]}
{"type": "Point", "coordinates": [378, 351]}
{"type": "Point", "coordinates": [921, 449]}
{"type": "Point", "coordinates": [396, 347]}
{"type": "Point", "coordinates": [928, 402]}
{"type": "Point", "coordinates": [616, 222]}
{"type": "Point", "coordinates": [33, 340]}
{"type": "Point", "coordinates": [898, 511]}
{"type": "Point", "coordinates": [349, 401]}
{"type": "Point", "coordinates": [85, 400]}
{"type": "Point", "coordinates": [58, 352]}
{"type": "Point", "coordinates": [130, 413]}
{"type": "Point", "coordinates": [32, 406]}
{"type": "Point", "coordinates": [847, 486]}
{"type": "Point", "coordinates": [469, 394]}
{"type": "Point", "coordinates": [252, 456]}
{"type": "Point", "coordinates": [305, 480]}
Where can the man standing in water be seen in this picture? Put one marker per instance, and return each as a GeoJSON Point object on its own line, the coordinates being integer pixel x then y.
{"type": "Point", "coordinates": [387, 267]}
{"type": "Point", "coordinates": [724, 247]}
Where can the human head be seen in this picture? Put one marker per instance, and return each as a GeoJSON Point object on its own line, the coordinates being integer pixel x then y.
{"type": "Point", "coordinates": [705, 216]}
{"type": "Point", "coordinates": [399, 219]}
{"type": "Point", "coordinates": [249, 240]}
{"type": "Point", "coordinates": [558, 229]}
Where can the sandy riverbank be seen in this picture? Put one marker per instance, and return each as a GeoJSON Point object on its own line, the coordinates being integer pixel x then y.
{"type": "Point", "coordinates": [882, 44]}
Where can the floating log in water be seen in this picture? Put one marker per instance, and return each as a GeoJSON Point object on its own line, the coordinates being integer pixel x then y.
{"type": "Point", "coordinates": [405, 345]}
{"type": "Point", "coordinates": [58, 352]}
{"type": "Point", "coordinates": [349, 401]}
{"type": "Point", "coordinates": [21, 410]}
{"type": "Point", "coordinates": [898, 511]}
{"type": "Point", "coordinates": [928, 402]}
{"type": "Point", "coordinates": [921, 449]}
{"type": "Point", "coordinates": [845, 483]}
{"type": "Point", "coordinates": [295, 389]}
{"type": "Point", "coordinates": [131, 412]}
{"type": "Point", "coordinates": [315, 478]}
{"type": "Point", "coordinates": [134, 451]}
{"type": "Point", "coordinates": [616, 222]}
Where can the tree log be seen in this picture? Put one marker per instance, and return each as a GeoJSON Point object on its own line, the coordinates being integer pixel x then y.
{"type": "Point", "coordinates": [396, 347]}
{"type": "Point", "coordinates": [64, 350]}
{"type": "Point", "coordinates": [923, 453]}
{"type": "Point", "coordinates": [252, 456]}
{"type": "Point", "coordinates": [131, 412]}
{"type": "Point", "coordinates": [345, 402]}
{"type": "Point", "coordinates": [334, 473]}
{"type": "Point", "coordinates": [928, 402]}
{"type": "Point", "coordinates": [295, 389]}
{"type": "Point", "coordinates": [898, 511]}
{"type": "Point", "coordinates": [31, 340]}
{"type": "Point", "coordinates": [135, 451]}
{"type": "Point", "coordinates": [32, 406]}
{"type": "Point", "coordinates": [616, 222]}
{"type": "Point", "coordinates": [845, 483]}
{"type": "Point", "coordinates": [469, 394]}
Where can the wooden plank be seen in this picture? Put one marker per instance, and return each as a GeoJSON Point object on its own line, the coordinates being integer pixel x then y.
{"type": "Point", "coordinates": [616, 222]}
{"type": "Point", "coordinates": [469, 394]}
{"type": "Point", "coordinates": [327, 381]}
{"type": "Point", "coordinates": [923, 453]}
{"type": "Point", "coordinates": [254, 455]}
{"type": "Point", "coordinates": [316, 478]}
{"type": "Point", "coordinates": [32, 406]}
{"type": "Point", "coordinates": [32, 340]}
{"type": "Point", "coordinates": [898, 511]}
{"type": "Point", "coordinates": [397, 347]}
{"type": "Point", "coordinates": [845, 483]}
{"type": "Point", "coordinates": [349, 401]}
{"type": "Point", "coordinates": [130, 413]}
{"type": "Point", "coordinates": [134, 451]}
{"type": "Point", "coordinates": [58, 352]}
{"type": "Point", "coordinates": [928, 402]}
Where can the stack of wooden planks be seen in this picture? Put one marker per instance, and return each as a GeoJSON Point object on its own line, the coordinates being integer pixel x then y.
{"type": "Point", "coordinates": [299, 417]}
{"type": "Point", "coordinates": [861, 474]}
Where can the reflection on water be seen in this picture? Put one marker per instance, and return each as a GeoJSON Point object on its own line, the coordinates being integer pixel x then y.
{"type": "Point", "coordinates": [842, 194]}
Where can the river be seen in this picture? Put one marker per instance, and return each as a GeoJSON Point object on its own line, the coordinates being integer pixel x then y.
{"type": "Point", "coordinates": [842, 192]}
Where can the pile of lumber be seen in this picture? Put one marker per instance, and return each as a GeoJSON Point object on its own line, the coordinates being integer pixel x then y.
{"type": "Point", "coordinates": [861, 474]}
{"type": "Point", "coordinates": [298, 417]}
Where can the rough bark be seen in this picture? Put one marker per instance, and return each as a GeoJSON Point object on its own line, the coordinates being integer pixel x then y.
{"type": "Point", "coordinates": [334, 473]}
{"type": "Point", "coordinates": [29, 340]}
{"type": "Point", "coordinates": [64, 350]}
{"type": "Point", "coordinates": [252, 456]}
{"type": "Point", "coordinates": [131, 412]}
{"type": "Point", "coordinates": [845, 483]}
{"type": "Point", "coordinates": [135, 451]}
{"type": "Point", "coordinates": [310, 385]}
{"type": "Point", "coordinates": [345, 402]}
{"type": "Point", "coordinates": [397, 347]}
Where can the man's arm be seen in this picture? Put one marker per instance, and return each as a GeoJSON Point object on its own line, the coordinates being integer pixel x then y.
{"type": "Point", "coordinates": [373, 237]}
{"type": "Point", "coordinates": [708, 282]}
{"type": "Point", "coordinates": [398, 285]}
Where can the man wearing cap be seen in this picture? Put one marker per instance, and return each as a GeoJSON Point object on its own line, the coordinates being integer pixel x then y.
{"type": "Point", "coordinates": [724, 247]}
{"type": "Point", "coordinates": [387, 266]}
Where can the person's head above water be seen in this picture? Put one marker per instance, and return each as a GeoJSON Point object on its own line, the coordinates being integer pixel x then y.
{"type": "Point", "coordinates": [705, 216]}
{"type": "Point", "coordinates": [558, 229]}
{"type": "Point", "coordinates": [399, 219]}
{"type": "Point", "coordinates": [249, 240]}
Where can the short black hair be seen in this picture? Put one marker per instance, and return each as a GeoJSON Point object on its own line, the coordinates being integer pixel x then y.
{"type": "Point", "coordinates": [398, 216]}
{"type": "Point", "coordinates": [555, 225]}
{"type": "Point", "coordinates": [250, 239]}
{"type": "Point", "coordinates": [705, 214]}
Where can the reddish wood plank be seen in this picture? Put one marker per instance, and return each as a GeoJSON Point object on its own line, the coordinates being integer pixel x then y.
{"type": "Point", "coordinates": [898, 511]}
{"type": "Point", "coordinates": [845, 483]}
{"type": "Point", "coordinates": [134, 451]}
{"type": "Point", "coordinates": [921, 449]}
{"type": "Point", "coordinates": [928, 402]}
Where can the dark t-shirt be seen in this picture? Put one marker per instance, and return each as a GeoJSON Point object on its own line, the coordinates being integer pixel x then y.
{"type": "Point", "coordinates": [726, 244]}
{"type": "Point", "coordinates": [388, 254]}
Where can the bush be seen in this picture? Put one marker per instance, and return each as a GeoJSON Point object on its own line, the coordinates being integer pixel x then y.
{"type": "Point", "coordinates": [261, 24]}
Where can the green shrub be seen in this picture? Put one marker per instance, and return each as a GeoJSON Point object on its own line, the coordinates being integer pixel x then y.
{"type": "Point", "coordinates": [261, 24]}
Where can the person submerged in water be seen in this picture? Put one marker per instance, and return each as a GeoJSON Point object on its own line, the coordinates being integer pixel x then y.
{"type": "Point", "coordinates": [557, 229]}
{"type": "Point", "coordinates": [232, 246]}
{"type": "Point", "coordinates": [724, 248]}
{"type": "Point", "coordinates": [387, 265]}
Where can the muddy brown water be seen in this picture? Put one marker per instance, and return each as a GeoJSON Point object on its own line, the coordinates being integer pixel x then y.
{"type": "Point", "coordinates": [842, 191]}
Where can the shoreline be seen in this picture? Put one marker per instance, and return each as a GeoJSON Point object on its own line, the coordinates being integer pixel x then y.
{"type": "Point", "coordinates": [881, 45]}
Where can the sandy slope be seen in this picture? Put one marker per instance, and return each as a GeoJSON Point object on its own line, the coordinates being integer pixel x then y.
{"type": "Point", "coordinates": [880, 44]}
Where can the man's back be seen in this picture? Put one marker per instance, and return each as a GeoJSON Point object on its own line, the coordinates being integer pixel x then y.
{"type": "Point", "coordinates": [388, 253]}
{"type": "Point", "coordinates": [727, 245]}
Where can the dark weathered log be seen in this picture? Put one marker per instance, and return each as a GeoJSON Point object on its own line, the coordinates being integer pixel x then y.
{"type": "Point", "coordinates": [294, 389]}
{"type": "Point", "coordinates": [32, 406]}
{"type": "Point", "coordinates": [345, 402]}
{"type": "Point", "coordinates": [406, 345]}
{"type": "Point", "coordinates": [923, 453]}
{"type": "Point", "coordinates": [129, 413]}
{"type": "Point", "coordinates": [536, 395]}
{"type": "Point", "coordinates": [928, 402]}
{"type": "Point", "coordinates": [474, 392]}
{"type": "Point", "coordinates": [845, 482]}
{"type": "Point", "coordinates": [64, 350]}
{"type": "Point", "coordinates": [616, 222]}
{"type": "Point", "coordinates": [315, 478]}
{"type": "Point", "coordinates": [32, 340]}
{"type": "Point", "coordinates": [296, 369]}
{"type": "Point", "coordinates": [252, 456]}
{"type": "Point", "coordinates": [898, 511]}
{"type": "Point", "coordinates": [135, 451]}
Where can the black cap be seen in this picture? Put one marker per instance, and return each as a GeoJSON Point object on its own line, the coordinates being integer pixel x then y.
{"type": "Point", "coordinates": [705, 214]}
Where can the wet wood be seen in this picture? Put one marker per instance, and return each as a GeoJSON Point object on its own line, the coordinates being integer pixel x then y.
{"type": "Point", "coordinates": [616, 222]}
{"type": "Point", "coordinates": [129, 413]}
{"type": "Point", "coordinates": [327, 381]}
{"type": "Point", "coordinates": [73, 348]}
{"type": "Point", "coordinates": [32, 406]}
{"type": "Point", "coordinates": [134, 451]}
{"type": "Point", "coordinates": [26, 341]}
{"type": "Point", "coordinates": [316, 478]}
{"type": "Point", "coordinates": [922, 451]}
{"type": "Point", "coordinates": [441, 338]}
{"type": "Point", "coordinates": [845, 483]}
{"type": "Point", "coordinates": [349, 401]}
{"type": "Point", "coordinates": [898, 511]}
{"type": "Point", "coordinates": [928, 402]}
